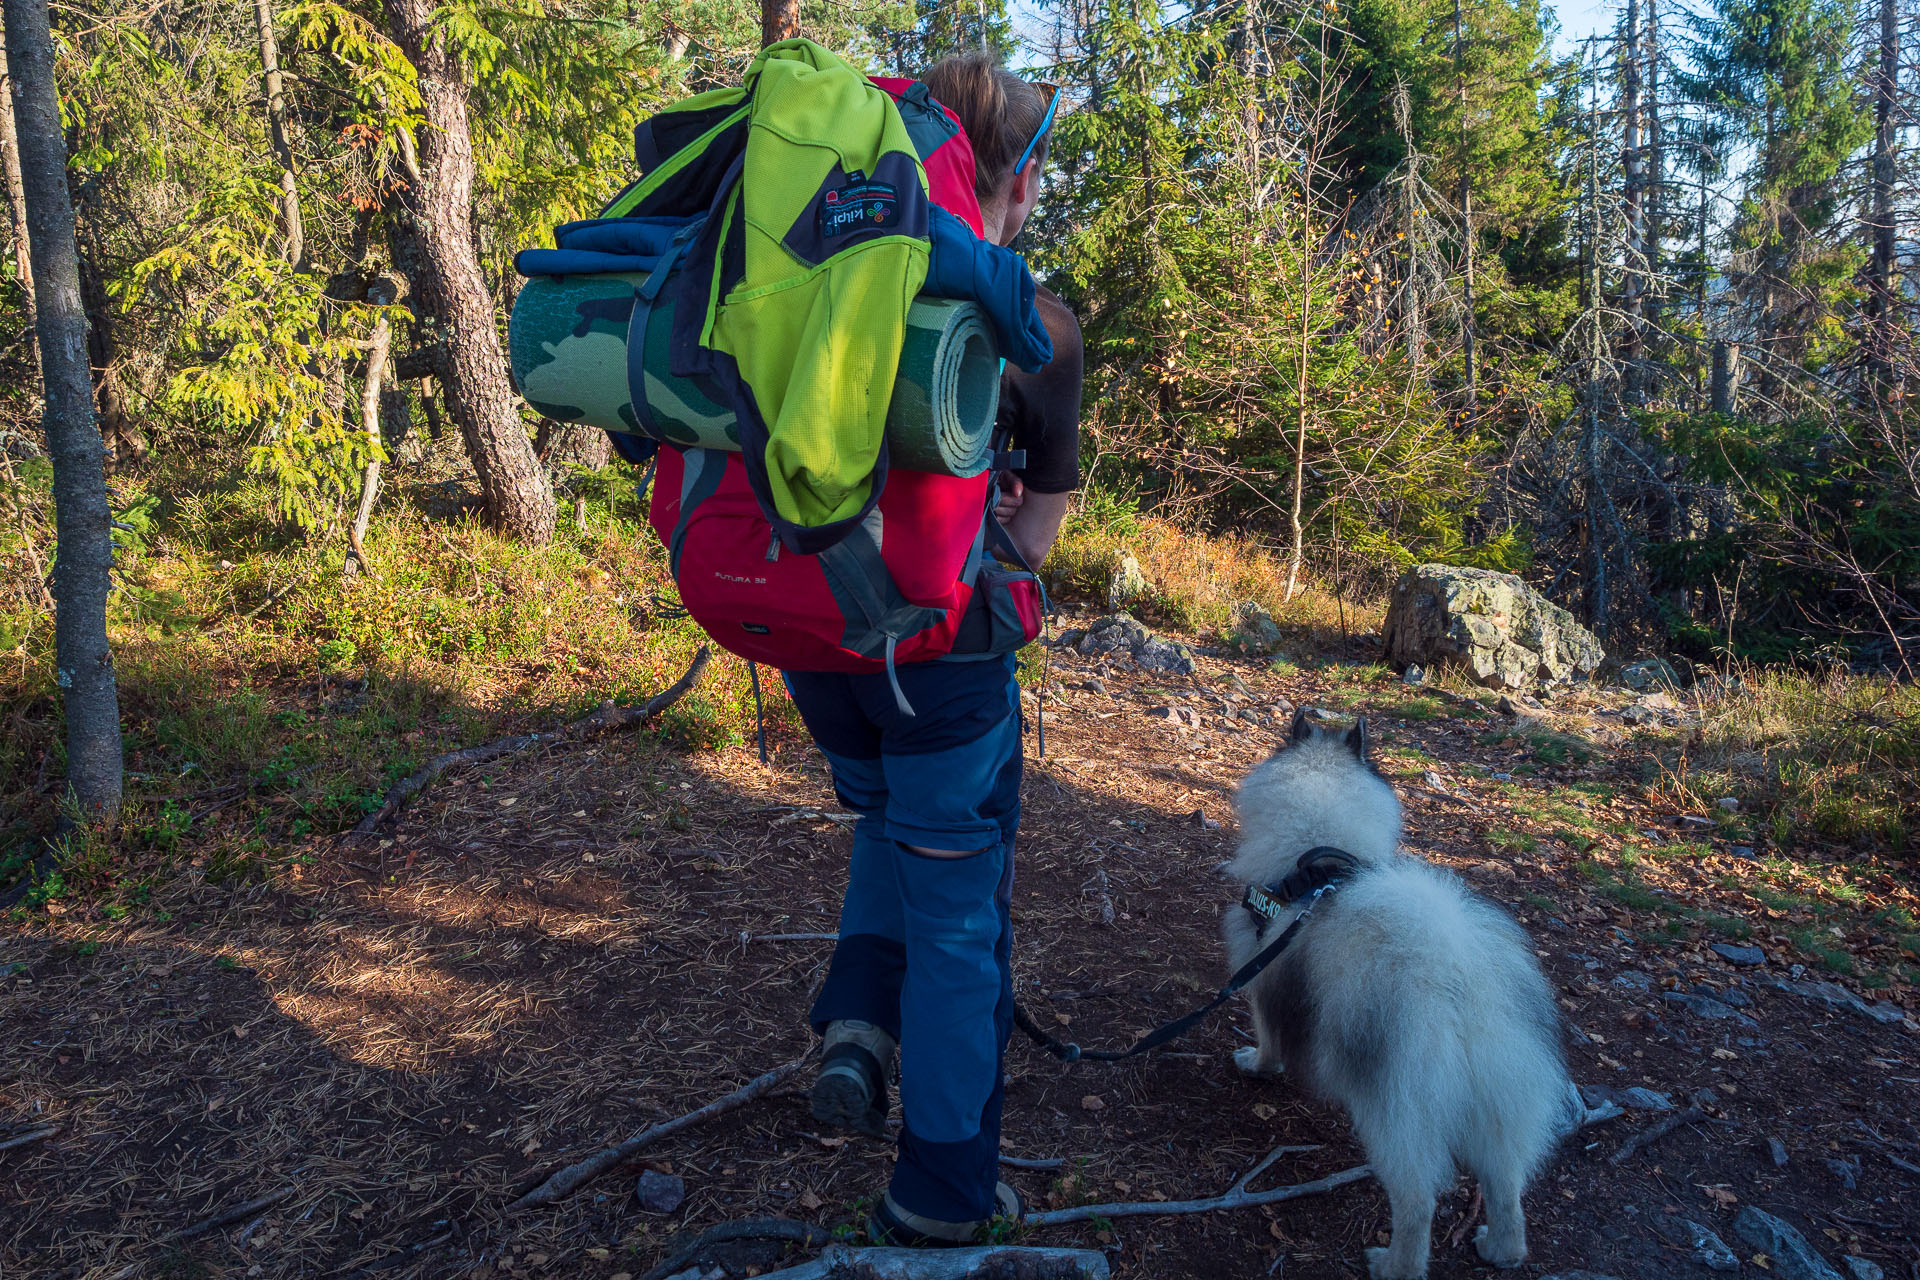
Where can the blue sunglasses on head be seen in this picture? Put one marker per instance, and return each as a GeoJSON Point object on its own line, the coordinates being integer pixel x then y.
{"type": "Point", "coordinates": [1053, 102]}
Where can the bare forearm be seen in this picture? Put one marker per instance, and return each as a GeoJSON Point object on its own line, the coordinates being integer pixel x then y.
{"type": "Point", "coordinates": [1035, 525]}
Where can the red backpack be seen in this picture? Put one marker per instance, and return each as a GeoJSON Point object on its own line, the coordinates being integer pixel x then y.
{"type": "Point", "coordinates": [902, 585]}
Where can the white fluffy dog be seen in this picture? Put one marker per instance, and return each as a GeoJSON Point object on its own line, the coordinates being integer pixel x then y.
{"type": "Point", "coordinates": [1412, 1002]}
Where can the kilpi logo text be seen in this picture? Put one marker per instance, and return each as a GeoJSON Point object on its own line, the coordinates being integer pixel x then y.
{"type": "Point", "coordinates": [859, 206]}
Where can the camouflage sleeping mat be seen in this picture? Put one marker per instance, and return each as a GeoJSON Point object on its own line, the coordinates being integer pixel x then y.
{"type": "Point", "coordinates": [568, 343]}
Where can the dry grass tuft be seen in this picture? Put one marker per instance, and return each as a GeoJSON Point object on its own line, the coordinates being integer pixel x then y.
{"type": "Point", "coordinates": [1830, 757]}
{"type": "Point", "coordinates": [1195, 580]}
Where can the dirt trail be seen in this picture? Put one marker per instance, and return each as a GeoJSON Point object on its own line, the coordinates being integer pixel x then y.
{"type": "Point", "coordinates": [548, 955]}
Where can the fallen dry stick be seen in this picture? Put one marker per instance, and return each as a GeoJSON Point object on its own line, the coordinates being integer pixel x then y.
{"type": "Point", "coordinates": [571, 1177]}
{"type": "Point", "coordinates": [1235, 1197]}
{"type": "Point", "coordinates": [602, 719]}
{"type": "Point", "coordinates": [1238, 1197]}
{"type": "Point", "coordinates": [34, 1135]}
{"type": "Point", "coordinates": [1654, 1132]}
{"type": "Point", "coordinates": [227, 1217]}
{"type": "Point", "coordinates": [840, 1262]}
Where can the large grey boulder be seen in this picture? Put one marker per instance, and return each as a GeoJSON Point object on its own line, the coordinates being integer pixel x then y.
{"type": "Point", "coordinates": [1493, 625]}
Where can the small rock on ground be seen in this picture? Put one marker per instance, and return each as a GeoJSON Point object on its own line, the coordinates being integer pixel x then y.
{"type": "Point", "coordinates": [1777, 1152]}
{"type": "Point", "coordinates": [1579, 1275]}
{"type": "Point", "coordinates": [1705, 1006]}
{"type": "Point", "coordinates": [1793, 1258]}
{"type": "Point", "coordinates": [1862, 1269]}
{"type": "Point", "coordinates": [1709, 1249]}
{"type": "Point", "coordinates": [1747, 956]}
{"type": "Point", "coordinates": [660, 1192]}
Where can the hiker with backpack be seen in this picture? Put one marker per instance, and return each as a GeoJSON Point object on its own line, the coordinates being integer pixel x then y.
{"type": "Point", "coordinates": [923, 961]}
{"type": "Point", "coordinates": [795, 317]}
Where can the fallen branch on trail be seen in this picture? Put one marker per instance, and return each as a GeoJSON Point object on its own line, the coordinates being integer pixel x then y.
{"type": "Point", "coordinates": [239, 1212]}
{"type": "Point", "coordinates": [988, 1262]}
{"type": "Point", "coordinates": [31, 1136]}
{"type": "Point", "coordinates": [1654, 1132]}
{"type": "Point", "coordinates": [804, 1234]}
{"type": "Point", "coordinates": [574, 1175]}
{"type": "Point", "coordinates": [604, 718]}
{"type": "Point", "coordinates": [1238, 1197]}
{"type": "Point", "coordinates": [273, 598]}
{"type": "Point", "coordinates": [788, 937]}
{"type": "Point", "coordinates": [1023, 1162]}
{"type": "Point", "coordinates": [1235, 1197]}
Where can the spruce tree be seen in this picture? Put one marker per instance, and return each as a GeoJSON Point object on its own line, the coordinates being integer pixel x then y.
{"type": "Point", "coordinates": [1776, 71]}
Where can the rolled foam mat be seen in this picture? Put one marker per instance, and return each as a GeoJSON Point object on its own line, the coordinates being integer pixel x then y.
{"type": "Point", "coordinates": [568, 343]}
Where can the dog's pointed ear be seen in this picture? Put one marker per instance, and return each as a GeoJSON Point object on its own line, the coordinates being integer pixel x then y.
{"type": "Point", "coordinates": [1302, 728]}
{"type": "Point", "coordinates": [1357, 739]}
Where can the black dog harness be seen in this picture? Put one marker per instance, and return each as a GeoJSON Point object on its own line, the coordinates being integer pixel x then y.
{"type": "Point", "coordinates": [1317, 874]}
{"type": "Point", "coordinates": [1319, 866]}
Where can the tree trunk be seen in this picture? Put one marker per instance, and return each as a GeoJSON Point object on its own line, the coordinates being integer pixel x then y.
{"type": "Point", "coordinates": [290, 223]}
{"type": "Point", "coordinates": [1633, 280]}
{"type": "Point", "coordinates": [1466, 213]}
{"type": "Point", "coordinates": [16, 195]}
{"type": "Point", "coordinates": [779, 20]}
{"type": "Point", "coordinates": [1881, 309]}
{"type": "Point", "coordinates": [384, 292]}
{"type": "Point", "coordinates": [562, 444]}
{"type": "Point", "coordinates": [123, 440]}
{"type": "Point", "coordinates": [83, 565]}
{"type": "Point", "coordinates": [453, 290]}
{"type": "Point", "coordinates": [1726, 377]}
{"type": "Point", "coordinates": [1654, 170]}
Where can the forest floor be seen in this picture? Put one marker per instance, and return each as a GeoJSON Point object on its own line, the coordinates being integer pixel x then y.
{"type": "Point", "coordinates": [391, 1038]}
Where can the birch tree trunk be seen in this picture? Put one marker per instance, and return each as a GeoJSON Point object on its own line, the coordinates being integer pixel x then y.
{"type": "Point", "coordinates": [384, 292]}
{"type": "Point", "coordinates": [83, 566]}
{"type": "Point", "coordinates": [453, 289]}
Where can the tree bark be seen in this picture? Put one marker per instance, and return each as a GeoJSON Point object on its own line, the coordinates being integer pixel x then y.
{"type": "Point", "coordinates": [123, 440]}
{"type": "Point", "coordinates": [16, 196]}
{"type": "Point", "coordinates": [779, 20]}
{"type": "Point", "coordinates": [1633, 281]}
{"type": "Point", "coordinates": [384, 292]}
{"type": "Point", "coordinates": [1881, 294]}
{"type": "Point", "coordinates": [562, 444]}
{"type": "Point", "coordinates": [291, 225]}
{"type": "Point", "coordinates": [83, 565]}
{"type": "Point", "coordinates": [453, 289]}
{"type": "Point", "coordinates": [1466, 214]}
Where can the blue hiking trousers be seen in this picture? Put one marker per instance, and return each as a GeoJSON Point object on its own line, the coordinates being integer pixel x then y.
{"type": "Point", "coordinates": [926, 944]}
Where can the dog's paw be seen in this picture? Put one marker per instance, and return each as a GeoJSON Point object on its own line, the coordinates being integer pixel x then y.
{"type": "Point", "coordinates": [1247, 1058]}
{"type": "Point", "coordinates": [1380, 1266]}
{"type": "Point", "coordinates": [1505, 1259]}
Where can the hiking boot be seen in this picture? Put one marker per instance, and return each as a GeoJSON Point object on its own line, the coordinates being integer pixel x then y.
{"type": "Point", "coordinates": [851, 1092]}
{"type": "Point", "coordinates": [891, 1224]}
